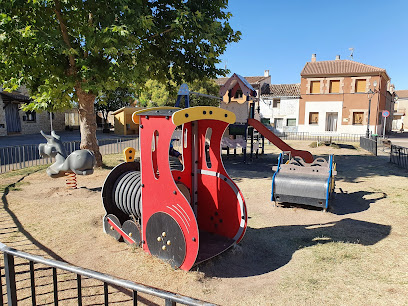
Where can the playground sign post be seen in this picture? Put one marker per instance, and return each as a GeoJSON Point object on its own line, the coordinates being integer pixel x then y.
{"type": "Point", "coordinates": [385, 114]}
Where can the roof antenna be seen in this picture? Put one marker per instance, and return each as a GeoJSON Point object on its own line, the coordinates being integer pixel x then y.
{"type": "Point", "coordinates": [351, 53]}
{"type": "Point", "coordinates": [226, 63]}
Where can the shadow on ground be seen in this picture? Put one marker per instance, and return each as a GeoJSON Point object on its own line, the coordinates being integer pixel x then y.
{"type": "Point", "coordinates": [266, 249]}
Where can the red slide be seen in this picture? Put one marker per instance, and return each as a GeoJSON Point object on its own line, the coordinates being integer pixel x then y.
{"type": "Point", "coordinates": [306, 155]}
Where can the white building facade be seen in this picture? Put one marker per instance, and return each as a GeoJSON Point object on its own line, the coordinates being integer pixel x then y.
{"type": "Point", "coordinates": [279, 104]}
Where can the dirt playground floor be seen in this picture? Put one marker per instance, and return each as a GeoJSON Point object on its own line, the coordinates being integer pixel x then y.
{"type": "Point", "coordinates": [357, 253]}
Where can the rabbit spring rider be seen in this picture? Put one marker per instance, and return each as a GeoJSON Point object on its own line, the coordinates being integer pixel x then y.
{"type": "Point", "coordinates": [183, 217]}
{"type": "Point", "coordinates": [78, 162]}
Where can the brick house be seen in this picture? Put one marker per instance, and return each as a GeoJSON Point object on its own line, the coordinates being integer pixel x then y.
{"type": "Point", "coordinates": [14, 121]}
{"type": "Point", "coordinates": [334, 97]}
{"type": "Point", "coordinates": [279, 104]}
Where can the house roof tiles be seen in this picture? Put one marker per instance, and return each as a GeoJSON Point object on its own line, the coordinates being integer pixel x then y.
{"type": "Point", "coordinates": [338, 67]}
{"type": "Point", "coordinates": [402, 94]}
{"type": "Point", "coordinates": [282, 90]}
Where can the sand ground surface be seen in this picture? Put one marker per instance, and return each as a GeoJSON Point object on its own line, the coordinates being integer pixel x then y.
{"type": "Point", "coordinates": [357, 253]}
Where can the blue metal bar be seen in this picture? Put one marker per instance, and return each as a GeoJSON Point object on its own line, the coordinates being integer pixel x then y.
{"type": "Point", "coordinates": [274, 175]}
{"type": "Point", "coordinates": [328, 181]}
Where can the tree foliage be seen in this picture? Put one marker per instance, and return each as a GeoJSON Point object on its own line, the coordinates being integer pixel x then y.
{"type": "Point", "coordinates": [65, 50]}
{"type": "Point", "coordinates": [155, 93]}
{"type": "Point", "coordinates": [114, 100]}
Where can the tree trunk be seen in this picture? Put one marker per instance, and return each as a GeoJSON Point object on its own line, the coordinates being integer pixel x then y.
{"type": "Point", "coordinates": [88, 123]}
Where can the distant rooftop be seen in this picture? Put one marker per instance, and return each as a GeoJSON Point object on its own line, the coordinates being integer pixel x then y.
{"type": "Point", "coordinates": [281, 90]}
{"type": "Point", "coordinates": [339, 67]}
{"type": "Point", "coordinates": [402, 94]}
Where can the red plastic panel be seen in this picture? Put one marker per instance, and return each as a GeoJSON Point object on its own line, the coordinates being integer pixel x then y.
{"type": "Point", "coordinates": [161, 194]}
{"type": "Point", "coordinates": [221, 206]}
{"type": "Point", "coordinates": [185, 175]}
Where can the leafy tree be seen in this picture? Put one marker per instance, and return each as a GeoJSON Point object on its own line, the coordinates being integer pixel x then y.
{"type": "Point", "coordinates": [65, 50]}
{"type": "Point", "coordinates": [113, 100]}
{"type": "Point", "coordinates": [154, 93]}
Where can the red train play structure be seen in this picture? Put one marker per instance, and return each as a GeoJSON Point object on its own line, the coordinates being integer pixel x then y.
{"type": "Point", "coordinates": [181, 216]}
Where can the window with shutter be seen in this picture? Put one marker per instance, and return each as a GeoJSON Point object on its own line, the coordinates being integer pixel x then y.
{"type": "Point", "coordinates": [315, 87]}
{"type": "Point", "coordinates": [334, 87]}
{"type": "Point", "coordinates": [358, 117]}
{"type": "Point", "coordinates": [360, 85]}
{"type": "Point", "coordinates": [314, 118]}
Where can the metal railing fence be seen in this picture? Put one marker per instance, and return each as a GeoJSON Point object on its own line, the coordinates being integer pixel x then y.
{"type": "Point", "coordinates": [19, 157]}
{"type": "Point", "coordinates": [323, 137]}
{"type": "Point", "coordinates": [170, 298]}
{"type": "Point", "coordinates": [369, 144]}
{"type": "Point", "coordinates": [399, 156]}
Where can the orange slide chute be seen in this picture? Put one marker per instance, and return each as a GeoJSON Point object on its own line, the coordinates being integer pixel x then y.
{"type": "Point", "coordinates": [261, 128]}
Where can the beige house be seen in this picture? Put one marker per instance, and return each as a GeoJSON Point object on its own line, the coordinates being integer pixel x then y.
{"type": "Point", "coordinates": [334, 97]}
{"type": "Point", "coordinates": [400, 121]}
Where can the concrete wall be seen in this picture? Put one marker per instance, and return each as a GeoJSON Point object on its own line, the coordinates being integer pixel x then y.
{"type": "Point", "coordinates": [42, 122]}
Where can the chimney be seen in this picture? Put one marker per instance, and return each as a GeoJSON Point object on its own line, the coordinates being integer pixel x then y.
{"type": "Point", "coordinates": [266, 73]}
{"type": "Point", "coordinates": [337, 57]}
{"type": "Point", "coordinates": [313, 58]}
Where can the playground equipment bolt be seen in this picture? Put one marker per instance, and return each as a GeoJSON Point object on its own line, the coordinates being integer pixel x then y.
{"type": "Point", "coordinates": [194, 239]}
{"type": "Point", "coordinates": [147, 117]}
{"type": "Point", "coordinates": [175, 192]}
{"type": "Point", "coordinates": [164, 248]}
{"type": "Point", "coordinates": [130, 234]}
{"type": "Point", "coordinates": [141, 126]}
{"type": "Point", "coordinates": [159, 239]}
{"type": "Point", "coordinates": [111, 227]}
{"type": "Point", "coordinates": [168, 242]}
{"type": "Point", "coordinates": [164, 234]}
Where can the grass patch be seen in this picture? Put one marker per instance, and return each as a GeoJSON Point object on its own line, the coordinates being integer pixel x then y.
{"type": "Point", "coordinates": [24, 172]}
{"type": "Point", "coordinates": [13, 187]}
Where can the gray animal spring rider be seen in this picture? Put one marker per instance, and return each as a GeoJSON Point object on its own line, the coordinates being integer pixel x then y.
{"type": "Point", "coordinates": [79, 162]}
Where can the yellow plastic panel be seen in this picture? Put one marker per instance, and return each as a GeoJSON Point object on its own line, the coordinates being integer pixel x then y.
{"type": "Point", "coordinates": [129, 154]}
{"type": "Point", "coordinates": [202, 112]}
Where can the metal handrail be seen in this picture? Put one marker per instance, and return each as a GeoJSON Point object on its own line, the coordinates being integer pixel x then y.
{"type": "Point", "coordinates": [9, 253]}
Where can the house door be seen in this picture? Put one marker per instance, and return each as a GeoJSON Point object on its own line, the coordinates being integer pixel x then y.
{"type": "Point", "coordinates": [278, 123]}
{"type": "Point", "coordinates": [331, 122]}
{"type": "Point", "coordinates": [12, 118]}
